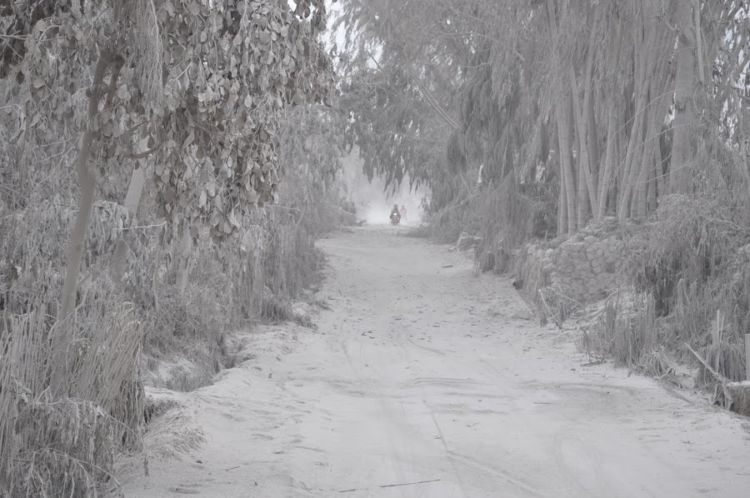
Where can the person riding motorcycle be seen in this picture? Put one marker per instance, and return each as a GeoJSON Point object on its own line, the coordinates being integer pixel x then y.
{"type": "Point", "coordinates": [395, 215]}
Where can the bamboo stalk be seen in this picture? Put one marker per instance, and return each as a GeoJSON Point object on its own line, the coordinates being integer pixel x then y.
{"type": "Point", "coordinates": [586, 177]}
{"type": "Point", "coordinates": [609, 159]}
{"type": "Point", "coordinates": [684, 113]}
{"type": "Point", "coordinates": [747, 356]}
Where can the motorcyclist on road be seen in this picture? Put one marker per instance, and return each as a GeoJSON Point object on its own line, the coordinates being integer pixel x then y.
{"type": "Point", "coordinates": [395, 215]}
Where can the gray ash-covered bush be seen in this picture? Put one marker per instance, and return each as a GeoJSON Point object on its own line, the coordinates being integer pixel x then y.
{"type": "Point", "coordinates": [693, 258]}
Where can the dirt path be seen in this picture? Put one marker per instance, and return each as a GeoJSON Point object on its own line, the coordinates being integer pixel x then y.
{"type": "Point", "coordinates": [424, 380]}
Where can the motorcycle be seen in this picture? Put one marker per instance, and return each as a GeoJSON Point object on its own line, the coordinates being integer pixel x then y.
{"type": "Point", "coordinates": [395, 218]}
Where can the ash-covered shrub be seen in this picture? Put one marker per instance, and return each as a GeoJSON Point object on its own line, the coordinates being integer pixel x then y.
{"type": "Point", "coordinates": [502, 216]}
{"type": "Point", "coordinates": [691, 238]}
{"type": "Point", "coordinates": [67, 414]}
{"type": "Point", "coordinates": [627, 331]}
{"type": "Point", "coordinates": [694, 258]}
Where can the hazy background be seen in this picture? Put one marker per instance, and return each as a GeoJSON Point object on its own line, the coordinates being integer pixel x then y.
{"type": "Point", "coordinates": [370, 198]}
{"type": "Point", "coordinates": [373, 203]}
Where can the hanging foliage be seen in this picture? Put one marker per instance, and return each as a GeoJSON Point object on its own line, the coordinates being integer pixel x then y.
{"type": "Point", "coordinates": [619, 102]}
{"type": "Point", "coordinates": [198, 86]}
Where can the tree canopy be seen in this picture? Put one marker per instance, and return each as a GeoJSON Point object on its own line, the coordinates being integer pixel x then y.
{"type": "Point", "coordinates": [197, 86]}
{"type": "Point", "coordinates": [610, 104]}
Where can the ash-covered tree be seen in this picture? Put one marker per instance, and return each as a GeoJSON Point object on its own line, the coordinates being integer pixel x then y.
{"type": "Point", "coordinates": [398, 89]}
{"type": "Point", "coordinates": [196, 87]}
{"type": "Point", "coordinates": [311, 150]}
{"type": "Point", "coordinates": [186, 94]}
{"type": "Point", "coordinates": [609, 106]}
{"type": "Point", "coordinates": [445, 75]}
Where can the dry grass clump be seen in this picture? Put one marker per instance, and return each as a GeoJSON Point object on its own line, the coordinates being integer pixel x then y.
{"type": "Point", "coordinates": [68, 448]}
{"type": "Point", "coordinates": [63, 424]}
{"type": "Point", "coordinates": [237, 283]}
{"type": "Point", "coordinates": [282, 261]}
{"type": "Point", "coordinates": [627, 332]}
{"type": "Point", "coordinates": [63, 414]}
{"type": "Point", "coordinates": [277, 260]}
{"type": "Point", "coordinates": [725, 352]}
{"type": "Point", "coordinates": [658, 363]}
{"type": "Point", "coordinates": [249, 275]}
{"type": "Point", "coordinates": [555, 304]}
{"type": "Point", "coordinates": [690, 239]}
{"type": "Point", "coordinates": [189, 323]}
{"type": "Point", "coordinates": [694, 258]}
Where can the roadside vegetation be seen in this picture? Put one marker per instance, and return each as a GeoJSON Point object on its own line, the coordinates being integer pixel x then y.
{"type": "Point", "coordinates": [530, 121]}
{"type": "Point", "coordinates": [165, 168]}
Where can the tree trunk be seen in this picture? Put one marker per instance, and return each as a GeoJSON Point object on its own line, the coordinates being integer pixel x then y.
{"type": "Point", "coordinates": [562, 113]}
{"type": "Point", "coordinates": [581, 197]}
{"type": "Point", "coordinates": [76, 244]}
{"type": "Point", "coordinates": [563, 121]}
{"type": "Point", "coordinates": [587, 190]}
{"type": "Point", "coordinates": [132, 199]}
{"type": "Point", "coordinates": [635, 142]}
{"type": "Point", "coordinates": [645, 55]}
{"type": "Point", "coordinates": [594, 153]}
{"type": "Point", "coordinates": [87, 181]}
{"type": "Point", "coordinates": [185, 245]}
{"type": "Point", "coordinates": [609, 160]}
{"type": "Point", "coordinates": [562, 206]}
{"type": "Point", "coordinates": [640, 194]}
{"type": "Point", "coordinates": [684, 116]}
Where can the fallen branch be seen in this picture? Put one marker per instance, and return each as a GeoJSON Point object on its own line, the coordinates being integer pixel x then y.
{"type": "Point", "coordinates": [396, 485]}
{"type": "Point", "coordinates": [716, 374]}
{"type": "Point", "coordinates": [144, 227]}
{"type": "Point", "coordinates": [408, 483]}
{"type": "Point", "coordinates": [727, 402]}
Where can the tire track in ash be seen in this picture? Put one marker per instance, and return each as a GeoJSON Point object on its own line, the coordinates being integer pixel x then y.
{"type": "Point", "coordinates": [375, 393]}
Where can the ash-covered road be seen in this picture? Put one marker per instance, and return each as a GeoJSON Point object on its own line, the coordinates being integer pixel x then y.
{"type": "Point", "coordinates": [424, 380]}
